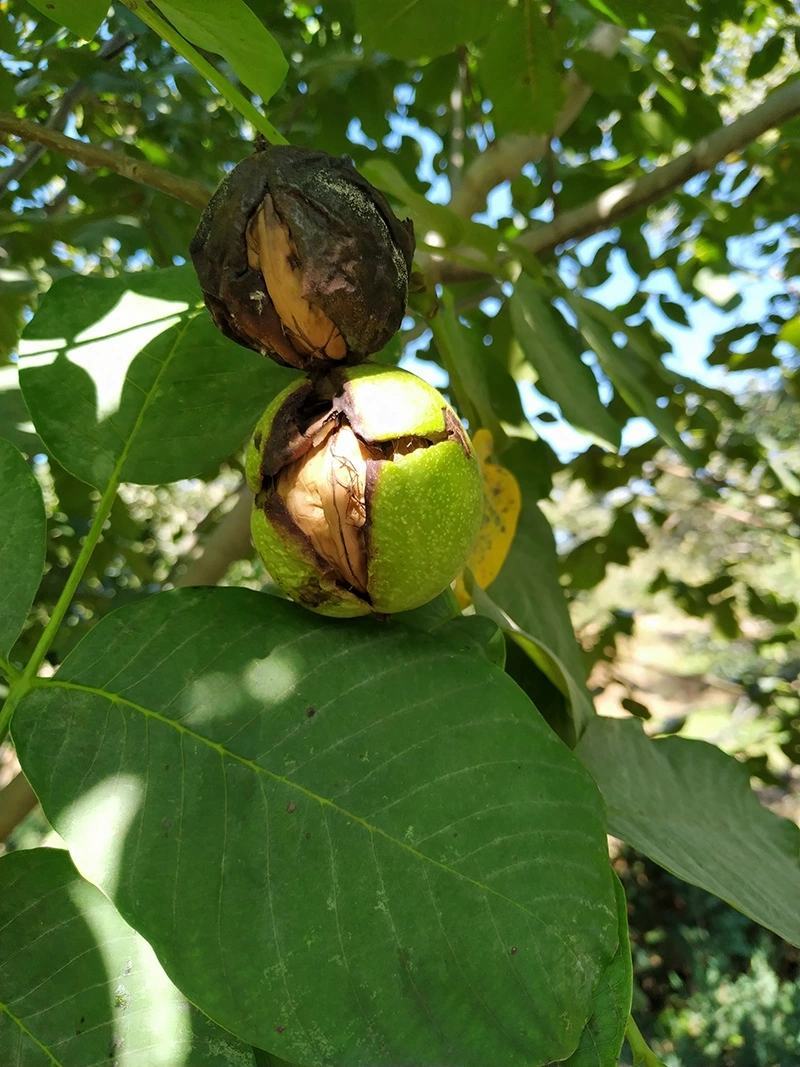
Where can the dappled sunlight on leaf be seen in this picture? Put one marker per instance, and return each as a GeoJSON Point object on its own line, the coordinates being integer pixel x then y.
{"type": "Point", "coordinates": [97, 821]}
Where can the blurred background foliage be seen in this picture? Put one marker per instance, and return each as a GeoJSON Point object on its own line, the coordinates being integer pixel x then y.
{"type": "Point", "coordinates": [678, 554]}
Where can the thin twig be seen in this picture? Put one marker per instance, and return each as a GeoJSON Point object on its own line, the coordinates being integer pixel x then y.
{"type": "Point", "coordinates": [186, 189]}
{"type": "Point", "coordinates": [60, 114]}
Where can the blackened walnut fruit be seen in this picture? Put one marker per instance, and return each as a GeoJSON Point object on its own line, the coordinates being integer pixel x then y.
{"type": "Point", "coordinates": [300, 258]}
{"type": "Point", "coordinates": [368, 494]}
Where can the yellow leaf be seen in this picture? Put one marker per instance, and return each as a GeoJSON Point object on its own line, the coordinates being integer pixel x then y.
{"type": "Point", "coordinates": [502, 502]}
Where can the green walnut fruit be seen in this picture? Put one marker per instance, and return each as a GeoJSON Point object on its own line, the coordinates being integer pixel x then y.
{"type": "Point", "coordinates": [368, 494]}
{"type": "Point", "coordinates": [300, 258]}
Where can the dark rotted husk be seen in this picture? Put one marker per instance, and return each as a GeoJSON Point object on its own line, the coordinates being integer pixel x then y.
{"type": "Point", "coordinates": [352, 255]}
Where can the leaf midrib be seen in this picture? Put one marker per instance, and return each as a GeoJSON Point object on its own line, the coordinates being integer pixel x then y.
{"type": "Point", "coordinates": [15, 1019]}
{"type": "Point", "coordinates": [324, 802]}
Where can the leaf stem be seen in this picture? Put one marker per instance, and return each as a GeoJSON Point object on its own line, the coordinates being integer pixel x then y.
{"type": "Point", "coordinates": [224, 87]}
{"type": "Point", "coordinates": [22, 682]}
{"type": "Point", "coordinates": [643, 1055]}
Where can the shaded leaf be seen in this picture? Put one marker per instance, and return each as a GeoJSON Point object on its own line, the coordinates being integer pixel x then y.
{"type": "Point", "coordinates": [421, 27]}
{"type": "Point", "coordinates": [83, 17]}
{"type": "Point", "coordinates": [526, 599]}
{"type": "Point", "coordinates": [563, 376]}
{"type": "Point", "coordinates": [14, 417]}
{"type": "Point", "coordinates": [16, 292]}
{"type": "Point", "coordinates": [467, 367]}
{"type": "Point", "coordinates": [766, 57]}
{"type": "Point", "coordinates": [232, 30]}
{"type": "Point", "coordinates": [690, 808]}
{"type": "Point", "coordinates": [602, 1039]}
{"type": "Point", "coordinates": [629, 372]}
{"type": "Point", "coordinates": [80, 987]}
{"type": "Point", "coordinates": [124, 376]}
{"type": "Point", "coordinates": [348, 823]}
{"type": "Point", "coordinates": [22, 543]}
{"type": "Point", "coordinates": [521, 70]}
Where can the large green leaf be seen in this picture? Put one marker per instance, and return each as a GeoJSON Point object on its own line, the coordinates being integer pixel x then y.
{"type": "Point", "coordinates": [690, 808]}
{"type": "Point", "coordinates": [83, 17]}
{"type": "Point", "coordinates": [347, 842]}
{"type": "Point", "coordinates": [79, 987]}
{"type": "Point", "coordinates": [421, 27]}
{"type": "Point", "coordinates": [562, 374]}
{"type": "Point", "coordinates": [521, 70]}
{"type": "Point", "coordinates": [602, 1039]}
{"type": "Point", "coordinates": [124, 377]}
{"type": "Point", "coordinates": [22, 543]}
{"type": "Point", "coordinates": [526, 599]}
{"type": "Point", "coordinates": [232, 30]}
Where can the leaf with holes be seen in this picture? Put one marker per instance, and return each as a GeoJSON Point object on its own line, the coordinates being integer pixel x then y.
{"type": "Point", "coordinates": [125, 377]}
{"type": "Point", "coordinates": [348, 843]}
{"type": "Point", "coordinates": [22, 543]}
{"type": "Point", "coordinates": [690, 808]}
{"type": "Point", "coordinates": [80, 987]}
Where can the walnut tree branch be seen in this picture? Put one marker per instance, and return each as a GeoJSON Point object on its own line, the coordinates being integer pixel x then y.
{"type": "Point", "coordinates": [186, 189]}
{"type": "Point", "coordinates": [508, 155]}
{"type": "Point", "coordinates": [628, 196]}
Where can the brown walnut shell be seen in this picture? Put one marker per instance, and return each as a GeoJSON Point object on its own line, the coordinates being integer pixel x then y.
{"type": "Point", "coordinates": [300, 258]}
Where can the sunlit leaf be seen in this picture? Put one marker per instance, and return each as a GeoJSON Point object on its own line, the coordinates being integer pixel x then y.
{"type": "Point", "coordinates": [320, 826]}
{"type": "Point", "coordinates": [232, 30]}
{"type": "Point", "coordinates": [127, 375]}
